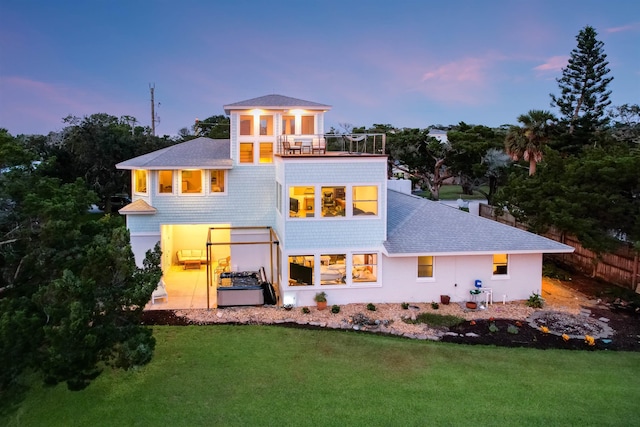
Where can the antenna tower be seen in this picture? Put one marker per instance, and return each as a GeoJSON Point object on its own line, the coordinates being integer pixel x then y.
{"type": "Point", "coordinates": [154, 118]}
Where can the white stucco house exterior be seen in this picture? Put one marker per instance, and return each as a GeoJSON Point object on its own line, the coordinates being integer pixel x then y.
{"type": "Point", "coordinates": [318, 213]}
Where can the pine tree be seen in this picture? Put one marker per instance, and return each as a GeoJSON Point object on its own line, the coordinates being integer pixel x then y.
{"type": "Point", "coordinates": [583, 86]}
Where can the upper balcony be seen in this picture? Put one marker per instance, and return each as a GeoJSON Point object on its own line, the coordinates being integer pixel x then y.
{"type": "Point", "coordinates": [331, 144]}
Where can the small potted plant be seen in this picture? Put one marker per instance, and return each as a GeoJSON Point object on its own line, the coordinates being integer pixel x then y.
{"type": "Point", "coordinates": [445, 299]}
{"type": "Point", "coordinates": [321, 300]}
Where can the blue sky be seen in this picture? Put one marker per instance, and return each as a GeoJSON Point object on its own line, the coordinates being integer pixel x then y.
{"type": "Point", "coordinates": [404, 63]}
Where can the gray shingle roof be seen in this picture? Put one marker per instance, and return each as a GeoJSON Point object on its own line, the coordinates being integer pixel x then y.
{"type": "Point", "coordinates": [419, 226]}
{"type": "Point", "coordinates": [204, 153]}
{"type": "Point", "coordinates": [275, 101]}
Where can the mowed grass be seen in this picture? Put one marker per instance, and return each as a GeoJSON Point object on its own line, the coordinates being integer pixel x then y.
{"type": "Point", "coordinates": [454, 192]}
{"type": "Point", "coordinates": [275, 376]}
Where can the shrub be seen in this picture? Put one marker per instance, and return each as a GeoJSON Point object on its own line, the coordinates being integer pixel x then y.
{"type": "Point", "coordinates": [305, 310]}
{"type": "Point", "coordinates": [513, 329]}
{"type": "Point", "coordinates": [433, 319]}
{"type": "Point", "coordinates": [371, 307]}
{"type": "Point", "coordinates": [405, 305]}
{"type": "Point", "coordinates": [493, 328]}
{"type": "Point", "coordinates": [435, 305]}
{"type": "Point", "coordinates": [335, 308]}
{"type": "Point", "coordinates": [535, 301]}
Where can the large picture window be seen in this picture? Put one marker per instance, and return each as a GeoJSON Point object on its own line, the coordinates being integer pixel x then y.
{"type": "Point", "coordinates": [308, 125]}
{"type": "Point", "coordinates": [301, 270]}
{"type": "Point", "coordinates": [288, 125]}
{"type": "Point", "coordinates": [140, 178]}
{"type": "Point", "coordinates": [365, 267]}
{"type": "Point", "coordinates": [301, 202]}
{"type": "Point", "coordinates": [266, 125]}
{"type": "Point", "coordinates": [217, 181]}
{"type": "Point", "coordinates": [365, 200]}
{"type": "Point", "coordinates": [333, 201]}
{"type": "Point", "coordinates": [333, 269]}
{"type": "Point", "coordinates": [191, 181]}
{"type": "Point", "coordinates": [165, 182]}
{"type": "Point", "coordinates": [500, 264]}
{"type": "Point", "coordinates": [246, 125]}
{"type": "Point", "coordinates": [266, 152]}
{"type": "Point", "coordinates": [246, 152]}
{"type": "Point", "coordinates": [425, 266]}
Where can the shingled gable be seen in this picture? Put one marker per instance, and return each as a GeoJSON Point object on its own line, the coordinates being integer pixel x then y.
{"type": "Point", "coordinates": [271, 102]}
{"type": "Point", "coordinates": [139, 207]}
{"type": "Point", "coordinates": [204, 153]}
{"type": "Point", "coordinates": [418, 226]}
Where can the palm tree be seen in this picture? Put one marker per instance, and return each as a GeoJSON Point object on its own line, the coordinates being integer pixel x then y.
{"type": "Point", "coordinates": [527, 142]}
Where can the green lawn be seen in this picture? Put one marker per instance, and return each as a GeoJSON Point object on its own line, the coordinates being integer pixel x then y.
{"type": "Point", "coordinates": [259, 375]}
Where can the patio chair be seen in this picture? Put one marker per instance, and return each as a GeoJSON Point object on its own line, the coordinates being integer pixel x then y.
{"type": "Point", "coordinates": [160, 292]}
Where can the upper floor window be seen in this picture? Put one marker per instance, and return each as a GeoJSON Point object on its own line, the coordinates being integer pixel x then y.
{"type": "Point", "coordinates": [266, 152]}
{"type": "Point", "coordinates": [191, 181]}
{"type": "Point", "coordinates": [140, 180]}
{"type": "Point", "coordinates": [217, 181]}
{"type": "Point", "coordinates": [308, 125]}
{"type": "Point", "coordinates": [500, 264]}
{"type": "Point", "coordinates": [301, 202]}
{"type": "Point", "coordinates": [288, 125]}
{"type": "Point", "coordinates": [246, 125]}
{"type": "Point", "coordinates": [246, 152]}
{"type": "Point", "coordinates": [333, 201]}
{"type": "Point", "coordinates": [165, 182]}
{"type": "Point", "coordinates": [266, 125]}
{"type": "Point", "coordinates": [425, 266]}
{"type": "Point", "coordinates": [365, 200]}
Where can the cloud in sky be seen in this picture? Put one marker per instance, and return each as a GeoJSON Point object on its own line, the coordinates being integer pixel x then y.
{"type": "Point", "coordinates": [629, 27]}
{"type": "Point", "coordinates": [553, 64]}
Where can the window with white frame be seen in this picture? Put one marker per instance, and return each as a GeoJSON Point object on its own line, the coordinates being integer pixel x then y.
{"type": "Point", "coordinates": [365, 267]}
{"type": "Point", "coordinates": [425, 266]}
{"type": "Point", "coordinates": [246, 125]}
{"type": "Point", "coordinates": [246, 152]}
{"type": "Point", "coordinates": [308, 125]}
{"type": "Point", "coordinates": [217, 180]}
{"type": "Point", "coordinates": [165, 182]}
{"type": "Point", "coordinates": [301, 270]}
{"type": "Point", "coordinates": [140, 181]}
{"type": "Point", "coordinates": [333, 269]}
{"type": "Point", "coordinates": [191, 181]}
{"type": "Point", "coordinates": [288, 125]}
{"type": "Point", "coordinates": [266, 125]}
{"type": "Point", "coordinates": [500, 264]}
{"type": "Point", "coordinates": [365, 200]}
{"type": "Point", "coordinates": [266, 152]}
{"type": "Point", "coordinates": [301, 202]}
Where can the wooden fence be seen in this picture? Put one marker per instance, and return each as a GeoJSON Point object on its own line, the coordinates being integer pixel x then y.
{"type": "Point", "coordinates": [620, 267]}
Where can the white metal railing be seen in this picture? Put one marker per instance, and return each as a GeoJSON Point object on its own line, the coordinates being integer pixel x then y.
{"type": "Point", "coordinates": [358, 143]}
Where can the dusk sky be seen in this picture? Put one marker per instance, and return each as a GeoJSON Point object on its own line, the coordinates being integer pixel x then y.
{"type": "Point", "coordinates": [404, 63]}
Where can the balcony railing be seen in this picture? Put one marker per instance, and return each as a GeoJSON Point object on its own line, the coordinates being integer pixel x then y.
{"type": "Point", "coordinates": [319, 144]}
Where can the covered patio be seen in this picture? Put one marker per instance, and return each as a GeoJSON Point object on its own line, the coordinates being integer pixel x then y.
{"type": "Point", "coordinates": [186, 289]}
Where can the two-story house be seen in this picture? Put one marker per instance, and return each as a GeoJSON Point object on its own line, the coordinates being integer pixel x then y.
{"type": "Point", "coordinates": [318, 213]}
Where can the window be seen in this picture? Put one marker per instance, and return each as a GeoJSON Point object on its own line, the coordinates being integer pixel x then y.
{"type": "Point", "coordinates": [288, 125]}
{"type": "Point", "coordinates": [246, 125]}
{"type": "Point", "coordinates": [333, 201]}
{"type": "Point", "coordinates": [500, 264]}
{"type": "Point", "coordinates": [140, 177]}
{"type": "Point", "coordinates": [333, 269]}
{"type": "Point", "coordinates": [191, 181]}
{"type": "Point", "coordinates": [365, 267]}
{"type": "Point", "coordinates": [425, 266]}
{"type": "Point", "coordinates": [266, 152]}
{"type": "Point", "coordinates": [301, 202]}
{"type": "Point", "coordinates": [217, 181]}
{"type": "Point", "coordinates": [301, 270]}
{"type": "Point", "coordinates": [365, 200]}
{"type": "Point", "coordinates": [266, 125]}
{"type": "Point", "coordinates": [165, 182]}
{"type": "Point", "coordinates": [307, 123]}
{"type": "Point", "coordinates": [246, 152]}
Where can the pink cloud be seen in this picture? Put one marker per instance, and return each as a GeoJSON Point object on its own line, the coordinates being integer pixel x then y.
{"type": "Point", "coordinates": [555, 63]}
{"type": "Point", "coordinates": [630, 27]}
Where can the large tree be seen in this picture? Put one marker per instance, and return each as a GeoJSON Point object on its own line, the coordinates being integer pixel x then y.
{"type": "Point", "coordinates": [583, 86]}
{"type": "Point", "coordinates": [527, 142]}
{"type": "Point", "coordinates": [422, 156]}
{"type": "Point", "coordinates": [71, 296]}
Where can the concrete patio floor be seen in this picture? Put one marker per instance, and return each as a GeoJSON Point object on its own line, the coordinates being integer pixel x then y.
{"type": "Point", "coordinates": [186, 289]}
